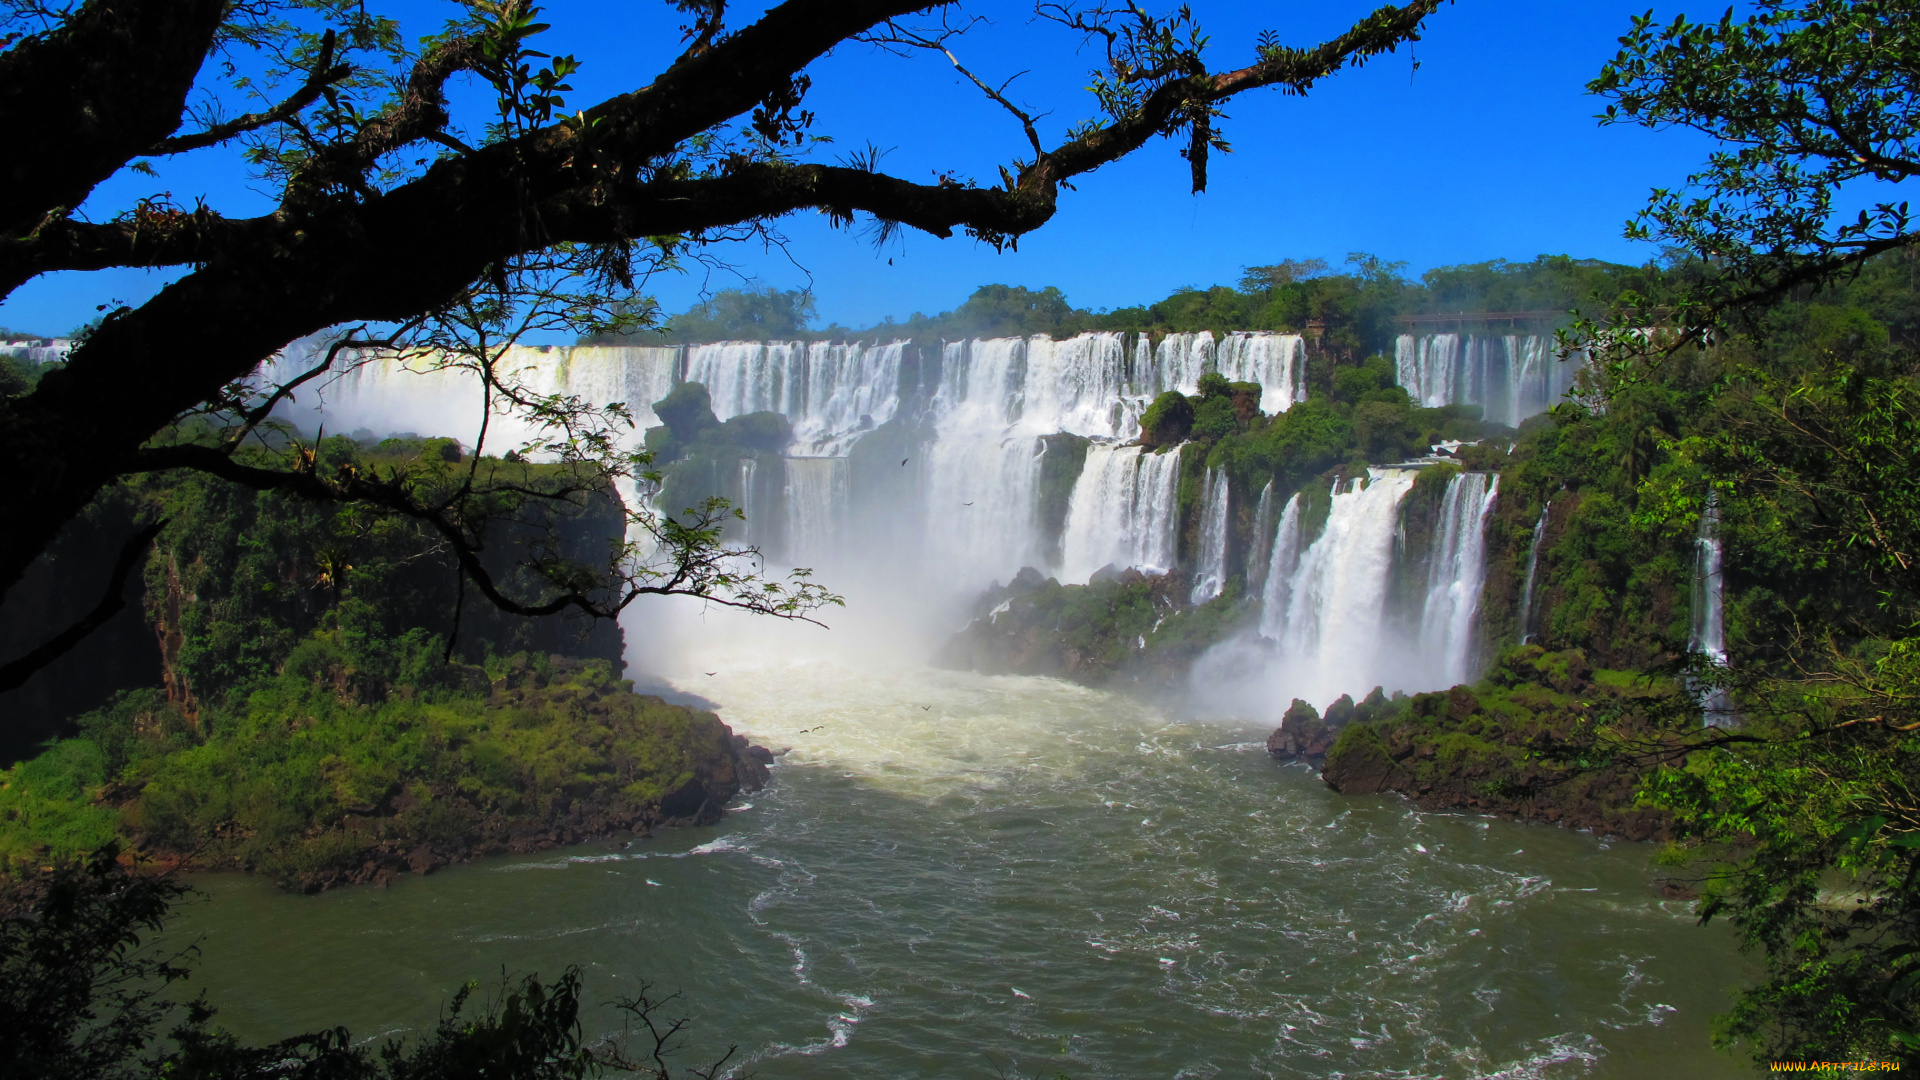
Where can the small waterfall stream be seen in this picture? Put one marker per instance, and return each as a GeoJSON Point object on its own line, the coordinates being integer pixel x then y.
{"type": "Point", "coordinates": [1210, 571]}
{"type": "Point", "coordinates": [1281, 565]}
{"type": "Point", "coordinates": [1709, 631]}
{"type": "Point", "coordinates": [1259, 556]}
{"type": "Point", "coordinates": [1525, 615]}
{"type": "Point", "coordinates": [1456, 576]}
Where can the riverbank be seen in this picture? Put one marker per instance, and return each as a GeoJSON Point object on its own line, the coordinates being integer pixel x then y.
{"type": "Point", "coordinates": [314, 789]}
{"type": "Point", "coordinates": [1520, 744]}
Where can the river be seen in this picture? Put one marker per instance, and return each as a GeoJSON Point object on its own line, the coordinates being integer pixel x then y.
{"type": "Point", "coordinates": [953, 875]}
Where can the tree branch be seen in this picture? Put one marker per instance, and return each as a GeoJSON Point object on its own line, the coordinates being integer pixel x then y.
{"type": "Point", "coordinates": [103, 88]}
{"type": "Point", "coordinates": [325, 73]}
{"type": "Point", "coordinates": [17, 672]}
{"type": "Point", "coordinates": [392, 255]}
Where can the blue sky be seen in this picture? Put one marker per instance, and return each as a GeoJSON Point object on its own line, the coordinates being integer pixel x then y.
{"type": "Point", "coordinates": [1488, 150]}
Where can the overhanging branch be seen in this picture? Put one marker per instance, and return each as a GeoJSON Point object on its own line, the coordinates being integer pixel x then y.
{"type": "Point", "coordinates": [17, 672]}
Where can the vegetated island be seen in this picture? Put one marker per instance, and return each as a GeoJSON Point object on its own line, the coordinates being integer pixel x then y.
{"type": "Point", "coordinates": [297, 711]}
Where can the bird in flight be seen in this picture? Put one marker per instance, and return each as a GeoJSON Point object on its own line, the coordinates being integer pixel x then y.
{"type": "Point", "coordinates": [815, 727]}
{"type": "Point", "coordinates": [926, 708]}
{"type": "Point", "coordinates": [966, 504]}
{"type": "Point", "coordinates": [713, 673]}
{"type": "Point", "coordinates": [903, 461]}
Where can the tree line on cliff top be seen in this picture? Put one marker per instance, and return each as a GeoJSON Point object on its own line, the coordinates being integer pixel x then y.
{"type": "Point", "coordinates": [1353, 310]}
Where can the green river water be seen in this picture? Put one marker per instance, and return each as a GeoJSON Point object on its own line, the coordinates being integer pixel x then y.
{"type": "Point", "coordinates": [954, 875]}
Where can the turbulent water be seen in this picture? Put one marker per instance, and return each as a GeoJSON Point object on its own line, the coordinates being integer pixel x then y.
{"type": "Point", "coordinates": [955, 873]}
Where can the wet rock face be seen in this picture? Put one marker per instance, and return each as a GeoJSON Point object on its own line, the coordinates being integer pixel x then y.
{"type": "Point", "coordinates": [1305, 735]}
{"type": "Point", "coordinates": [1125, 628]}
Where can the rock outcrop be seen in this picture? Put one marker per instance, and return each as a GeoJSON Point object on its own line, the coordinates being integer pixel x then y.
{"type": "Point", "coordinates": [1507, 746]}
{"type": "Point", "coordinates": [1122, 628]}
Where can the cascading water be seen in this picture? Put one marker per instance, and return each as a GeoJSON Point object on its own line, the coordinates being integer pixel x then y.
{"type": "Point", "coordinates": [1709, 636]}
{"type": "Point", "coordinates": [37, 351]}
{"type": "Point", "coordinates": [1278, 362]}
{"type": "Point", "coordinates": [1262, 549]}
{"type": "Point", "coordinates": [815, 498]}
{"type": "Point", "coordinates": [1210, 571]}
{"type": "Point", "coordinates": [1079, 386]}
{"type": "Point", "coordinates": [1180, 360]}
{"type": "Point", "coordinates": [1281, 565]}
{"type": "Point", "coordinates": [1533, 566]}
{"type": "Point", "coordinates": [1456, 577]}
{"type": "Point", "coordinates": [1331, 634]}
{"type": "Point", "coordinates": [1510, 376]}
{"type": "Point", "coordinates": [387, 394]}
{"type": "Point", "coordinates": [1122, 512]}
{"type": "Point", "coordinates": [967, 494]}
{"type": "Point", "coordinates": [831, 392]}
{"type": "Point", "coordinates": [983, 468]}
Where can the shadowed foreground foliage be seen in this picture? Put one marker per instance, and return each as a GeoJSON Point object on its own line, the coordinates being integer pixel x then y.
{"type": "Point", "coordinates": [85, 996]}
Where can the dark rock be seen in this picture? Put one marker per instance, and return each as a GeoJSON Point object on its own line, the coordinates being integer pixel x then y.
{"type": "Point", "coordinates": [1026, 581]}
{"type": "Point", "coordinates": [1341, 713]}
{"type": "Point", "coordinates": [1109, 572]}
{"type": "Point", "coordinates": [1461, 703]}
{"type": "Point", "coordinates": [1364, 769]}
{"type": "Point", "coordinates": [1168, 421]}
{"type": "Point", "coordinates": [420, 860]}
{"type": "Point", "coordinates": [1676, 890]}
{"type": "Point", "coordinates": [1303, 733]}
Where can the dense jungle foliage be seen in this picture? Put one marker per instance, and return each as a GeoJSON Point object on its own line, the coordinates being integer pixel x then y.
{"type": "Point", "coordinates": [328, 709]}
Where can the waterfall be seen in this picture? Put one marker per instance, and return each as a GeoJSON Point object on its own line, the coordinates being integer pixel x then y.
{"type": "Point", "coordinates": [815, 497]}
{"type": "Point", "coordinates": [1709, 636]}
{"type": "Point", "coordinates": [1210, 570]}
{"type": "Point", "coordinates": [1122, 512]}
{"type": "Point", "coordinates": [388, 395]}
{"type": "Point", "coordinates": [982, 473]}
{"type": "Point", "coordinates": [1079, 386]}
{"type": "Point", "coordinates": [1709, 632]}
{"type": "Point", "coordinates": [1262, 549]}
{"type": "Point", "coordinates": [1533, 566]}
{"type": "Point", "coordinates": [1331, 637]}
{"type": "Point", "coordinates": [1180, 360]}
{"type": "Point", "coordinates": [831, 392]}
{"type": "Point", "coordinates": [1510, 376]}
{"type": "Point", "coordinates": [1281, 564]}
{"type": "Point", "coordinates": [1276, 361]}
{"type": "Point", "coordinates": [954, 500]}
{"type": "Point", "coordinates": [1456, 576]}
{"type": "Point", "coordinates": [37, 351]}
